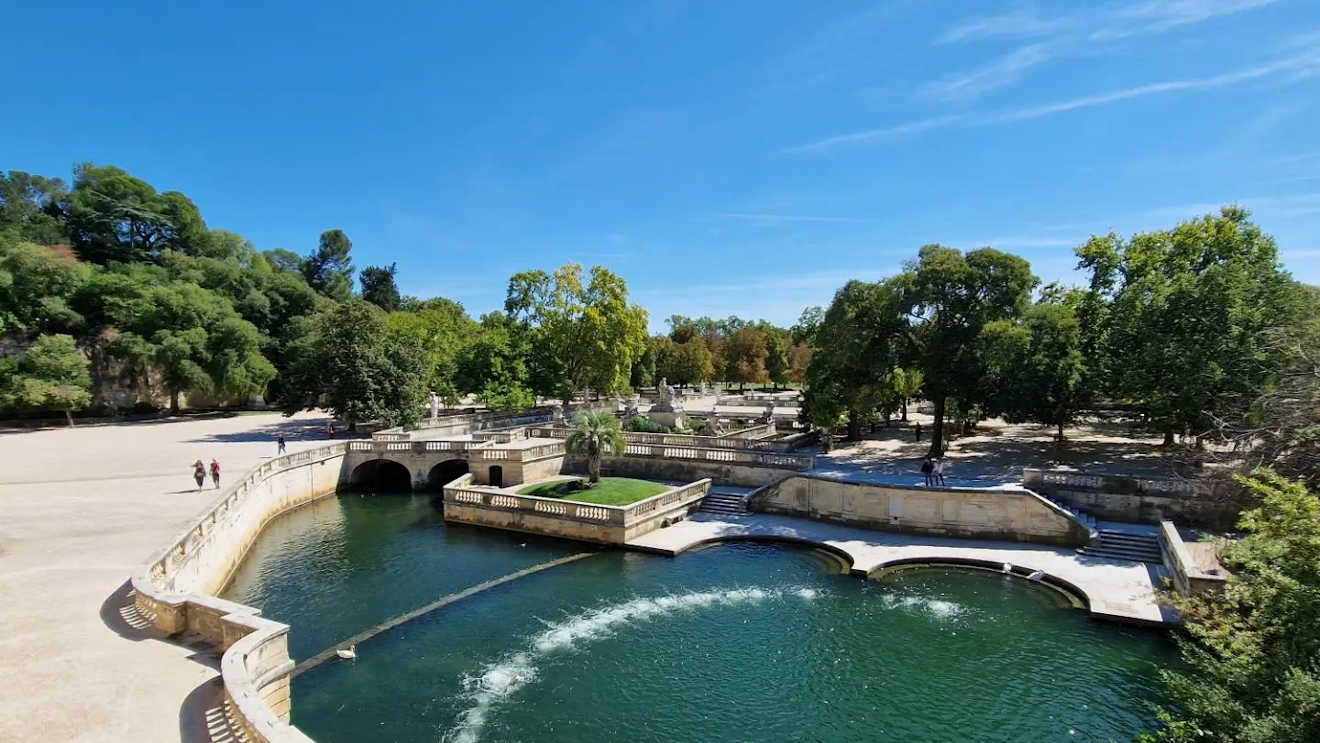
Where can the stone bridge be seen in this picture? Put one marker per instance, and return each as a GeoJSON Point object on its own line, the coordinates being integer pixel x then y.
{"type": "Point", "coordinates": [510, 457]}
{"type": "Point", "coordinates": [428, 465]}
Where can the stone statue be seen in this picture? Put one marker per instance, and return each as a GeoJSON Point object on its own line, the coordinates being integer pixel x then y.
{"type": "Point", "coordinates": [669, 401]}
{"type": "Point", "coordinates": [769, 416]}
{"type": "Point", "coordinates": [630, 408]}
{"type": "Point", "coordinates": [435, 406]}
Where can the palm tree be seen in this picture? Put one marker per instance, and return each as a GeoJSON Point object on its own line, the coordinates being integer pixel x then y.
{"type": "Point", "coordinates": [594, 435]}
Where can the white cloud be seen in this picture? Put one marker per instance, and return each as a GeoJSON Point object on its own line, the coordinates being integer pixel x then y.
{"type": "Point", "coordinates": [1114, 21]}
{"type": "Point", "coordinates": [1297, 67]}
{"type": "Point", "coordinates": [1003, 71]}
{"type": "Point", "coordinates": [1155, 16]}
{"type": "Point", "coordinates": [1014, 24]}
{"type": "Point", "coordinates": [898, 130]}
{"type": "Point", "coordinates": [773, 218]}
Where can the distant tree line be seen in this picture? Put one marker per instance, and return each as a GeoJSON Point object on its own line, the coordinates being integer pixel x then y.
{"type": "Point", "coordinates": [733, 350]}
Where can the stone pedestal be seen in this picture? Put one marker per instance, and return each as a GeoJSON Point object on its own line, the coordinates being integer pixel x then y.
{"type": "Point", "coordinates": [671, 418]}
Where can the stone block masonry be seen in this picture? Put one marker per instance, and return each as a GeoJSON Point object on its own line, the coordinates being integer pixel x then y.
{"type": "Point", "coordinates": [1016, 515]}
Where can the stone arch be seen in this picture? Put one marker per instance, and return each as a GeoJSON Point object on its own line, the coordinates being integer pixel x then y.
{"type": "Point", "coordinates": [445, 472]}
{"type": "Point", "coordinates": [381, 475]}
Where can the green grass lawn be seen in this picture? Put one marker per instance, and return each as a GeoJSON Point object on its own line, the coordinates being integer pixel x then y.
{"type": "Point", "coordinates": [610, 491]}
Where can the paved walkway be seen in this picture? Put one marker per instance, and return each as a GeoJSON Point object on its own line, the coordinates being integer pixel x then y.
{"type": "Point", "coordinates": [80, 509]}
{"type": "Point", "coordinates": [1115, 589]}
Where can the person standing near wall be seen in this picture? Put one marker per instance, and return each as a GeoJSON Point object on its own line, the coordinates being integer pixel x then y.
{"type": "Point", "coordinates": [928, 469]}
{"type": "Point", "coordinates": [939, 471]}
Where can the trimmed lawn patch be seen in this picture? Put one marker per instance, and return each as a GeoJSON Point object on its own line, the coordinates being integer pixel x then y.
{"type": "Point", "coordinates": [610, 491]}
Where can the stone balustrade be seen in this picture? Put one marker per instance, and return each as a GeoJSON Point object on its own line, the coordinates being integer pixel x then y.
{"type": "Point", "coordinates": [472, 504]}
{"type": "Point", "coordinates": [1146, 499]}
{"type": "Point", "coordinates": [173, 589]}
{"type": "Point", "coordinates": [743, 439]}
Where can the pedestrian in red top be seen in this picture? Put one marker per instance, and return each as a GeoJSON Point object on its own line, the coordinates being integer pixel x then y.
{"type": "Point", "coordinates": [215, 472]}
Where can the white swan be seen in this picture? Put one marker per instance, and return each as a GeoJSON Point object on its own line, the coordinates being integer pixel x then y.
{"type": "Point", "coordinates": [349, 653]}
{"type": "Point", "coordinates": [1008, 568]}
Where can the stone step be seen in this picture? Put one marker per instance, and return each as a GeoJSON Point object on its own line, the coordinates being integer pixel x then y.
{"type": "Point", "coordinates": [727, 503]}
{"type": "Point", "coordinates": [1120, 554]}
{"type": "Point", "coordinates": [1124, 546]}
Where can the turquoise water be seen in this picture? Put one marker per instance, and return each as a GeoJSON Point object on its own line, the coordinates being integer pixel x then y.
{"type": "Point", "coordinates": [730, 643]}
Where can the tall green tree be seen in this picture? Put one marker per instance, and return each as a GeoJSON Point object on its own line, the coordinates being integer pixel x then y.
{"type": "Point", "coordinates": [1252, 651]}
{"type": "Point", "coordinates": [493, 367]}
{"type": "Point", "coordinates": [115, 217]}
{"type": "Point", "coordinates": [378, 286]}
{"type": "Point", "coordinates": [906, 384]}
{"type": "Point", "coordinates": [441, 327]}
{"type": "Point", "coordinates": [744, 356]}
{"type": "Point", "coordinates": [1034, 367]}
{"type": "Point", "coordinates": [329, 269]}
{"type": "Point", "coordinates": [50, 375]}
{"type": "Point", "coordinates": [949, 298]}
{"type": "Point", "coordinates": [1191, 310]}
{"type": "Point", "coordinates": [857, 345]}
{"type": "Point", "coordinates": [350, 363]}
{"type": "Point", "coordinates": [36, 285]}
{"type": "Point", "coordinates": [30, 208]}
{"type": "Point", "coordinates": [588, 332]}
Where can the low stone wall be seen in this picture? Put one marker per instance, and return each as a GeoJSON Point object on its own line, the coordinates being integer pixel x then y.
{"type": "Point", "coordinates": [1140, 499]}
{"type": "Point", "coordinates": [1016, 515]}
{"type": "Point", "coordinates": [174, 588]}
{"type": "Point", "coordinates": [465, 503]}
{"type": "Point", "coordinates": [1184, 569]}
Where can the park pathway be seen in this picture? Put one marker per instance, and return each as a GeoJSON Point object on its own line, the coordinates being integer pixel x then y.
{"type": "Point", "coordinates": [80, 510]}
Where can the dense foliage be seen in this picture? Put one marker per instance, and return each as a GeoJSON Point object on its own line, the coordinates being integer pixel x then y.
{"type": "Point", "coordinates": [1197, 328]}
{"type": "Point", "coordinates": [114, 296]}
{"type": "Point", "coordinates": [1252, 651]}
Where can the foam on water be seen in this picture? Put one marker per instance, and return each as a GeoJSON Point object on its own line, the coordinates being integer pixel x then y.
{"type": "Point", "coordinates": [937, 607]}
{"type": "Point", "coordinates": [499, 680]}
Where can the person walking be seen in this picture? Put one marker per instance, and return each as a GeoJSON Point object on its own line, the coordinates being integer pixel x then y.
{"type": "Point", "coordinates": [330, 430]}
{"type": "Point", "coordinates": [939, 471]}
{"type": "Point", "coordinates": [917, 430]}
{"type": "Point", "coordinates": [280, 445]}
{"type": "Point", "coordinates": [199, 473]}
{"type": "Point", "coordinates": [927, 468]}
{"type": "Point", "coordinates": [215, 472]}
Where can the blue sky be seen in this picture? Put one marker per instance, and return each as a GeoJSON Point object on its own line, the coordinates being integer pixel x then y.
{"type": "Point", "coordinates": [725, 157]}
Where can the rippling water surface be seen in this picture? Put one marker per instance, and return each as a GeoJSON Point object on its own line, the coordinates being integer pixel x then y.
{"type": "Point", "coordinates": [731, 643]}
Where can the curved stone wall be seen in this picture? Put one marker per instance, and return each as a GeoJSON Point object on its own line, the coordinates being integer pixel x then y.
{"type": "Point", "coordinates": [174, 588]}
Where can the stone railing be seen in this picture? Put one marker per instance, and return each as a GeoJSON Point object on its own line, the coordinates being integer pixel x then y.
{"type": "Point", "coordinates": [778, 460]}
{"type": "Point", "coordinates": [462, 423]}
{"type": "Point", "coordinates": [1114, 483]}
{"type": "Point", "coordinates": [468, 503]}
{"type": "Point", "coordinates": [678, 439]}
{"type": "Point", "coordinates": [419, 447]}
{"type": "Point", "coordinates": [172, 589]}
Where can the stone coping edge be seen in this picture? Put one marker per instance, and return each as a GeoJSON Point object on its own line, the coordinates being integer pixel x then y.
{"type": "Point", "coordinates": [244, 634]}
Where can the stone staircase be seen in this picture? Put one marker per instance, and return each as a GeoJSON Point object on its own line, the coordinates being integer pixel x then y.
{"type": "Point", "coordinates": [1123, 545]}
{"type": "Point", "coordinates": [1080, 515]}
{"type": "Point", "coordinates": [725, 503]}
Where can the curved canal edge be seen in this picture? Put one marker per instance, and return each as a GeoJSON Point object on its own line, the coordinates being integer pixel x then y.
{"type": "Point", "coordinates": [390, 624]}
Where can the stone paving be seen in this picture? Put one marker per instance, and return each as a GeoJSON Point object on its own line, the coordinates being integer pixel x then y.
{"type": "Point", "coordinates": [80, 510]}
{"type": "Point", "coordinates": [1115, 589]}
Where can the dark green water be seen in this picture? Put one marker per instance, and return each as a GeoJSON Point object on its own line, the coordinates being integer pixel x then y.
{"type": "Point", "coordinates": [731, 643]}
